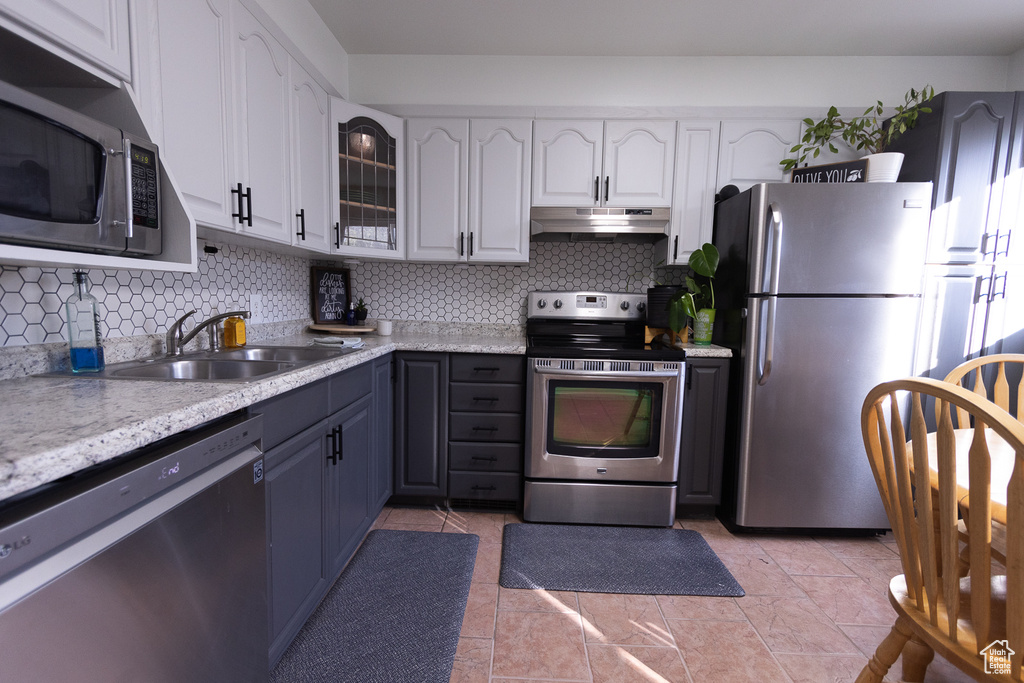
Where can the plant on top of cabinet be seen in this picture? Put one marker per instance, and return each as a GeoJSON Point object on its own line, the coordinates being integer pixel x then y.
{"type": "Point", "coordinates": [862, 133]}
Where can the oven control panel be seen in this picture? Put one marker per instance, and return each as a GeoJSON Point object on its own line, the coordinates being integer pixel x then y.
{"type": "Point", "coordinates": [586, 305]}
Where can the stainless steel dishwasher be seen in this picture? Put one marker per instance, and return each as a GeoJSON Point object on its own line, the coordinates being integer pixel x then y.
{"type": "Point", "coordinates": [149, 569]}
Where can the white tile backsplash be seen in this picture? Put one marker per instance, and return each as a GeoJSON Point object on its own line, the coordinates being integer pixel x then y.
{"type": "Point", "coordinates": [275, 288]}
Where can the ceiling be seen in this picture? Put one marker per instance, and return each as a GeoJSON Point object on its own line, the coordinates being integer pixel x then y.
{"type": "Point", "coordinates": [622, 28]}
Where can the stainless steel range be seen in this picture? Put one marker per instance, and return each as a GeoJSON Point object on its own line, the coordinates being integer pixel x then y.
{"type": "Point", "coordinates": [603, 412]}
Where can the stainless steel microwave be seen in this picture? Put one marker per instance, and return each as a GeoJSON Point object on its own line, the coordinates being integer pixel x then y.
{"type": "Point", "coordinates": [70, 182]}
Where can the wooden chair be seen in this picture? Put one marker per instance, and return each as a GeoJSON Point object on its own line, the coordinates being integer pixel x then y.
{"type": "Point", "coordinates": [938, 611]}
{"type": "Point", "coordinates": [969, 375]}
{"type": "Point", "coordinates": [961, 375]}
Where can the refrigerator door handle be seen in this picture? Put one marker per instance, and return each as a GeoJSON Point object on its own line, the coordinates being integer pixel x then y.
{"type": "Point", "coordinates": [775, 235]}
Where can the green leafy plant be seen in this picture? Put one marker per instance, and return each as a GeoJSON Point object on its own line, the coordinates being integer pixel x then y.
{"type": "Point", "coordinates": [360, 306]}
{"type": "Point", "coordinates": [699, 293]}
{"type": "Point", "coordinates": [863, 133]}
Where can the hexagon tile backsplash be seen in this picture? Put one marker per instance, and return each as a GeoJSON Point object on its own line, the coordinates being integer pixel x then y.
{"type": "Point", "coordinates": [275, 288]}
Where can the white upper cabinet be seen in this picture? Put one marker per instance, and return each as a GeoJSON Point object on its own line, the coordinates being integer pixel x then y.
{"type": "Point", "coordinates": [694, 197]}
{"type": "Point", "coordinates": [367, 183]}
{"type": "Point", "coordinates": [438, 173]}
{"type": "Point", "coordinates": [186, 92]}
{"type": "Point", "coordinates": [261, 128]}
{"type": "Point", "coordinates": [90, 33]}
{"type": "Point", "coordinates": [310, 162]}
{"type": "Point", "coordinates": [639, 157]}
{"type": "Point", "coordinates": [567, 162]}
{"type": "Point", "coordinates": [752, 149]}
{"type": "Point", "coordinates": [469, 190]}
{"type": "Point", "coordinates": [499, 190]}
{"type": "Point", "coordinates": [597, 163]}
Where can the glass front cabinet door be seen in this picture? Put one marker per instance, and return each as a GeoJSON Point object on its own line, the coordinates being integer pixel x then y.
{"type": "Point", "coordinates": [369, 187]}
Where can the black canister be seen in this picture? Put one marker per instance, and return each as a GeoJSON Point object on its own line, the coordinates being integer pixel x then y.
{"type": "Point", "coordinates": [657, 304]}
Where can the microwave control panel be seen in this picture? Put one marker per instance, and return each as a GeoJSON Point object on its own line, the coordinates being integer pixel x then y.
{"type": "Point", "coordinates": [145, 184]}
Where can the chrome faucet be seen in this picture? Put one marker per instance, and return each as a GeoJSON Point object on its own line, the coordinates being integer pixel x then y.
{"type": "Point", "coordinates": [176, 338]}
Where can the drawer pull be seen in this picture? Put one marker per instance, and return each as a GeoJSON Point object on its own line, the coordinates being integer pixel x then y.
{"type": "Point", "coordinates": [485, 398]}
{"type": "Point", "coordinates": [488, 458]}
{"type": "Point", "coordinates": [486, 369]}
{"type": "Point", "coordinates": [485, 429]}
{"type": "Point", "coordinates": [477, 487]}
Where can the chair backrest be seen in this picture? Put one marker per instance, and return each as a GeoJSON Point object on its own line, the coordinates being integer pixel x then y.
{"type": "Point", "coordinates": [1001, 392]}
{"type": "Point", "coordinates": [923, 507]}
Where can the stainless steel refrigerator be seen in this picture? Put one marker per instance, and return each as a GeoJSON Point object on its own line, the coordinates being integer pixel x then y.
{"type": "Point", "coordinates": [819, 291]}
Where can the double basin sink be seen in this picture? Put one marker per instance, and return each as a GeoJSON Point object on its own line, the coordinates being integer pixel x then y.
{"type": "Point", "coordinates": [230, 365]}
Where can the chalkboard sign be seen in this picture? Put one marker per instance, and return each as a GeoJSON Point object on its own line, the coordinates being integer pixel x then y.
{"type": "Point", "coordinates": [847, 172]}
{"type": "Point", "coordinates": [331, 295]}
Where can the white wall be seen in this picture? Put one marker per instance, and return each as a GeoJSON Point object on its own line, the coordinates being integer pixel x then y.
{"type": "Point", "coordinates": [662, 82]}
{"type": "Point", "coordinates": [1015, 71]}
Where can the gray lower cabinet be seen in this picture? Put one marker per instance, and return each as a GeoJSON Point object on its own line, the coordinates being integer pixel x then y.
{"type": "Point", "coordinates": [485, 429]}
{"type": "Point", "coordinates": [459, 427]}
{"type": "Point", "coordinates": [324, 445]}
{"type": "Point", "coordinates": [421, 425]}
{"type": "Point", "coordinates": [382, 424]}
{"type": "Point", "coordinates": [702, 445]}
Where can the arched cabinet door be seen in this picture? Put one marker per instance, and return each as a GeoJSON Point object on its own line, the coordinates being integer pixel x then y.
{"type": "Point", "coordinates": [639, 159]}
{"type": "Point", "coordinates": [567, 162]}
{"type": "Point", "coordinates": [751, 150]}
{"type": "Point", "coordinates": [438, 153]}
{"type": "Point", "coordinates": [262, 97]}
{"type": "Point", "coordinates": [368, 182]}
{"type": "Point", "coordinates": [499, 190]}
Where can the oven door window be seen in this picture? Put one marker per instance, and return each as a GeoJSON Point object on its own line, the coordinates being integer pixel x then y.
{"type": "Point", "coordinates": [602, 419]}
{"type": "Point", "coordinates": [47, 172]}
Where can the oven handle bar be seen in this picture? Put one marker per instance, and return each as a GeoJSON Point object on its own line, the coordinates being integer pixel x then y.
{"type": "Point", "coordinates": [607, 373]}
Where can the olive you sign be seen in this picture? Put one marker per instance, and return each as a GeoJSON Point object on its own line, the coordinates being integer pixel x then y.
{"type": "Point", "coordinates": [848, 172]}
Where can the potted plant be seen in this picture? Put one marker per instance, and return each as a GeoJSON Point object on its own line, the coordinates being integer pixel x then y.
{"type": "Point", "coordinates": [863, 133]}
{"type": "Point", "coordinates": [698, 300]}
{"type": "Point", "coordinates": [360, 312]}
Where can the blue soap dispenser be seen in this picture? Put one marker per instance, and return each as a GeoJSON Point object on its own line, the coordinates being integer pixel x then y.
{"type": "Point", "coordinates": [84, 327]}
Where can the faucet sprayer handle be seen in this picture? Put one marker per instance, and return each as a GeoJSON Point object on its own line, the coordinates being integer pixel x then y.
{"type": "Point", "coordinates": [174, 334]}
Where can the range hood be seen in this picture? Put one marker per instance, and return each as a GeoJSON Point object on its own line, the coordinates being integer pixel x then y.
{"type": "Point", "coordinates": [598, 224]}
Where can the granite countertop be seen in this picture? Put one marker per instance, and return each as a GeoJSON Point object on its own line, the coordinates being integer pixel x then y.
{"type": "Point", "coordinates": [54, 426]}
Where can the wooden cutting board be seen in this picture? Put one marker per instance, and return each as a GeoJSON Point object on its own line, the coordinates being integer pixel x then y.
{"type": "Point", "coordinates": [343, 329]}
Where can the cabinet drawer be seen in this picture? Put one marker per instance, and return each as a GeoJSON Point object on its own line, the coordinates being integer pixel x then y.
{"type": "Point", "coordinates": [292, 412]}
{"type": "Point", "coordinates": [482, 367]}
{"type": "Point", "coordinates": [485, 427]}
{"type": "Point", "coordinates": [484, 486]}
{"type": "Point", "coordinates": [485, 457]}
{"type": "Point", "coordinates": [350, 385]}
{"type": "Point", "coordinates": [479, 397]}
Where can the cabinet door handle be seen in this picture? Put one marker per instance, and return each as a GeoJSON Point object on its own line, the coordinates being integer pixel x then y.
{"type": "Point", "coordinates": [998, 292]}
{"type": "Point", "coordinates": [339, 443]}
{"type": "Point", "coordinates": [607, 179]}
{"type": "Point", "coordinates": [248, 206]}
{"type": "Point", "coordinates": [675, 248]}
{"type": "Point", "coordinates": [462, 244]}
{"type": "Point", "coordinates": [238, 214]}
{"type": "Point", "coordinates": [337, 235]}
{"type": "Point", "coordinates": [470, 245]}
{"type": "Point", "coordinates": [982, 283]}
{"type": "Point", "coordinates": [301, 215]}
{"type": "Point", "coordinates": [597, 189]}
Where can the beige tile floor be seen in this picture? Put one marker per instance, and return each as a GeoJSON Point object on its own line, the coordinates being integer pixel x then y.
{"type": "Point", "coordinates": [815, 609]}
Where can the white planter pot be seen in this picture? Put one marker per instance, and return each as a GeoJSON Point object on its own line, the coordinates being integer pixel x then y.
{"type": "Point", "coordinates": [884, 167]}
